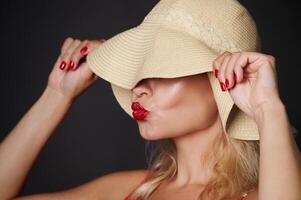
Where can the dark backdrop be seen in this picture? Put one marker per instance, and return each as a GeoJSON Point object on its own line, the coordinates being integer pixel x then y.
{"type": "Point", "coordinates": [97, 137]}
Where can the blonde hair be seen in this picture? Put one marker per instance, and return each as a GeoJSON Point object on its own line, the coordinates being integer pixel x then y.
{"type": "Point", "coordinates": [235, 168]}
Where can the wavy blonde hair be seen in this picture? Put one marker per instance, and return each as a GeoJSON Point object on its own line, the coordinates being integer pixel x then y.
{"type": "Point", "coordinates": [235, 167]}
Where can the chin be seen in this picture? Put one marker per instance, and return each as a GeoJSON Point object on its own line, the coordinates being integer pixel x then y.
{"type": "Point", "coordinates": [150, 136]}
{"type": "Point", "coordinates": [148, 132]}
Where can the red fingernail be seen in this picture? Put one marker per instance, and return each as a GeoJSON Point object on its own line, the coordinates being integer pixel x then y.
{"type": "Point", "coordinates": [227, 83]}
{"type": "Point", "coordinates": [215, 72]}
{"type": "Point", "coordinates": [234, 77]}
{"type": "Point", "coordinates": [63, 65]}
{"type": "Point", "coordinates": [222, 86]}
{"type": "Point", "coordinates": [74, 67]}
{"type": "Point", "coordinates": [71, 65]}
{"type": "Point", "coordinates": [83, 50]}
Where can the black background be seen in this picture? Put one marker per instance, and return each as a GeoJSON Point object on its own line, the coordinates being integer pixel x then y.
{"type": "Point", "coordinates": [97, 137]}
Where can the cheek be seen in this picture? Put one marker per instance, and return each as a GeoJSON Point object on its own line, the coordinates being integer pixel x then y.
{"type": "Point", "coordinates": [161, 125]}
{"type": "Point", "coordinates": [181, 117]}
{"type": "Point", "coordinates": [165, 113]}
{"type": "Point", "coordinates": [185, 119]}
{"type": "Point", "coordinates": [201, 116]}
{"type": "Point", "coordinates": [179, 113]}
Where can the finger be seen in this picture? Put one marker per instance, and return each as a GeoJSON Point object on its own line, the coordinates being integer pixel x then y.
{"type": "Point", "coordinates": [238, 70]}
{"type": "Point", "coordinates": [252, 55]}
{"type": "Point", "coordinates": [66, 44]}
{"type": "Point", "coordinates": [59, 63]}
{"type": "Point", "coordinates": [95, 43]}
{"type": "Point", "coordinates": [247, 62]}
{"type": "Point", "coordinates": [82, 50]}
{"type": "Point", "coordinates": [79, 52]}
{"type": "Point", "coordinates": [219, 60]}
{"type": "Point", "coordinates": [229, 71]}
{"type": "Point", "coordinates": [221, 75]}
{"type": "Point", "coordinates": [102, 40]}
{"type": "Point", "coordinates": [68, 53]}
{"type": "Point", "coordinates": [87, 73]}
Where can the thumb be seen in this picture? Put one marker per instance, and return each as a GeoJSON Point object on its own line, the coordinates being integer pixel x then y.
{"type": "Point", "coordinates": [87, 73]}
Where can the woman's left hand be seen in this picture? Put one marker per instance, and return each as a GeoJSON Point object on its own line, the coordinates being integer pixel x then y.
{"type": "Point", "coordinates": [256, 79]}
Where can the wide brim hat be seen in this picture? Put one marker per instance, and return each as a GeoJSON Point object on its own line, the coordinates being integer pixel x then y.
{"type": "Point", "coordinates": [180, 38]}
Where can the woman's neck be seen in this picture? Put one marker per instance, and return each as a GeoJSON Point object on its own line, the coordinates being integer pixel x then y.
{"type": "Point", "coordinates": [192, 150]}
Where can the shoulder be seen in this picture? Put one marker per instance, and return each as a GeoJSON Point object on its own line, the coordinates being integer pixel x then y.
{"type": "Point", "coordinates": [123, 181]}
{"type": "Point", "coordinates": [116, 185]}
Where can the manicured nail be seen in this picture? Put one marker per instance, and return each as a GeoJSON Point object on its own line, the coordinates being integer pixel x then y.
{"type": "Point", "coordinates": [222, 86]}
{"type": "Point", "coordinates": [63, 65]}
{"type": "Point", "coordinates": [234, 77]}
{"type": "Point", "coordinates": [71, 65]}
{"type": "Point", "coordinates": [227, 83]}
{"type": "Point", "coordinates": [74, 67]}
{"type": "Point", "coordinates": [215, 72]}
{"type": "Point", "coordinates": [84, 50]}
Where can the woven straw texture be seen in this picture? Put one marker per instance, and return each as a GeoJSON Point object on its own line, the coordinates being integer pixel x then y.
{"type": "Point", "coordinates": [180, 38]}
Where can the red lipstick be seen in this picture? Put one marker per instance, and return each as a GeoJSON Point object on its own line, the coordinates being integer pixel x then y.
{"type": "Point", "coordinates": [139, 112]}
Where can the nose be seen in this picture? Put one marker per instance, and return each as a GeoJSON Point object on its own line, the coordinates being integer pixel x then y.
{"type": "Point", "coordinates": [142, 88]}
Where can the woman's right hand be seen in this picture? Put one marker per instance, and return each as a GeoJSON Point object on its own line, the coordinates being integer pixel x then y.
{"type": "Point", "coordinates": [21, 147]}
{"type": "Point", "coordinates": [71, 74]}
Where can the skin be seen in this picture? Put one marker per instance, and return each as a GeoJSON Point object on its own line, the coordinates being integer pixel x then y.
{"type": "Point", "coordinates": [190, 98]}
{"type": "Point", "coordinates": [172, 115]}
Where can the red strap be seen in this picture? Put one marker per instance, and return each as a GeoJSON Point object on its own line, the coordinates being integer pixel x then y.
{"type": "Point", "coordinates": [243, 196]}
{"type": "Point", "coordinates": [128, 198]}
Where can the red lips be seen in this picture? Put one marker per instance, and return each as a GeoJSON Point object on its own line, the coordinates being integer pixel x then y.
{"type": "Point", "coordinates": [139, 112]}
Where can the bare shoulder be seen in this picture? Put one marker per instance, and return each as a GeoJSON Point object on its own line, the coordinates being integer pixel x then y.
{"type": "Point", "coordinates": [119, 184]}
{"type": "Point", "coordinates": [116, 185]}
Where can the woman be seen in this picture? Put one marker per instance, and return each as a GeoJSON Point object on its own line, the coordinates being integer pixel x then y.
{"type": "Point", "coordinates": [195, 159]}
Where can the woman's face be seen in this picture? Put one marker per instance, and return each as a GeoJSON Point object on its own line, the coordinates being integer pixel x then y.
{"type": "Point", "coordinates": [177, 106]}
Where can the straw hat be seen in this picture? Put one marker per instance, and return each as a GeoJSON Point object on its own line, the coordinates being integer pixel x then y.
{"type": "Point", "coordinates": [179, 38]}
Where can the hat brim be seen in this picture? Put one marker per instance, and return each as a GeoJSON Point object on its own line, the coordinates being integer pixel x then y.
{"type": "Point", "coordinates": [145, 51]}
{"type": "Point", "coordinates": [148, 51]}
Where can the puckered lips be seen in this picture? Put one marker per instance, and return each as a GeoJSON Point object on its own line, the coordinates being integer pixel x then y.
{"type": "Point", "coordinates": [139, 113]}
